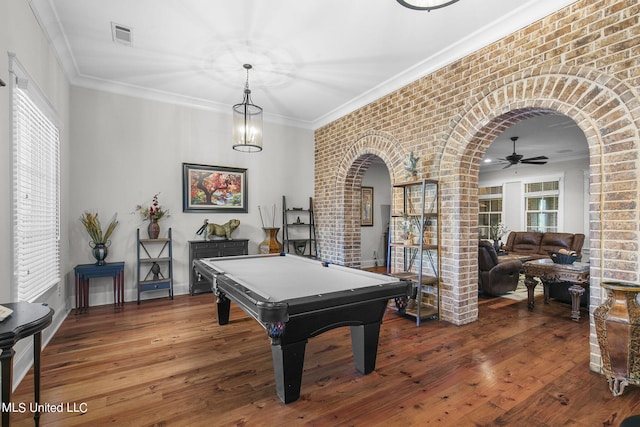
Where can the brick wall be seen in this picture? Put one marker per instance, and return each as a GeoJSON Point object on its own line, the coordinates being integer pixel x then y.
{"type": "Point", "coordinates": [581, 62]}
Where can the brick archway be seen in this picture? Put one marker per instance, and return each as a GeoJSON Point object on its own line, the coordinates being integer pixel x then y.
{"type": "Point", "coordinates": [450, 116]}
{"type": "Point", "coordinates": [598, 105]}
{"type": "Point", "coordinates": [342, 245]}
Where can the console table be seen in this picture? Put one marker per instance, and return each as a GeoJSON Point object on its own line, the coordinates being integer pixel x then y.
{"type": "Point", "coordinates": [550, 274]}
{"type": "Point", "coordinates": [27, 319]}
{"type": "Point", "coordinates": [210, 249]}
{"type": "Point", "coordinates": [84, 272]}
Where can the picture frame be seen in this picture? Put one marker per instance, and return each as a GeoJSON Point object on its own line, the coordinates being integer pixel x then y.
{"type": "Point", "coordinates": [366, 207]}
{"type": "Point", "coordinates": [207, 188]}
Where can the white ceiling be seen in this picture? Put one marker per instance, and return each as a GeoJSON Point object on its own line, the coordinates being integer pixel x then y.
{"type": "Point", "coordinates": [555, 136]}
{"type": "Point", "coordinates": [314, 60]}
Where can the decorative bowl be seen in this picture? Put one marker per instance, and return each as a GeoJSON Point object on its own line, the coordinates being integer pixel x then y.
{"type": "Point", "coordinates": [559, 258]}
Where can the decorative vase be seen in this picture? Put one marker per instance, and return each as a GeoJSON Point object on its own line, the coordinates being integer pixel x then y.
{"type": "Point", "coordinates": [100, 251]}
{"type": "Point", "coordinates": [617, 323]}
{"type": "Point", "coordinates": [496, 245]}
{"type": "Point", "coordinates": [155, 269]}
{"type": "Point", "coordinates": [409, 239]}
{"type": "Point", "coordinates": [300, 246]}
{"type": "Point", "coordinates": [427, 236]}
{"type": "Point", "coordinates": [153, 229]}
{"type": "Point", "coordinates": [270, 244]}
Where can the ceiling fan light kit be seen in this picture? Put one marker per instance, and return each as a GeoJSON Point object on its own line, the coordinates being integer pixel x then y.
{"type": "Point", "coordinates": [515, 158]}
{"type": "Point", "coordinates": [425, 4]}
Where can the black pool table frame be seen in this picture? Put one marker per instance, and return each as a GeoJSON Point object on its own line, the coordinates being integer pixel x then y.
{"type": "Point", "coordinates": [291, 323]}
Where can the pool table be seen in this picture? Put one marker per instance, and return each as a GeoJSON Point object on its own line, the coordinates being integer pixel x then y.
{"type": "Point", "coordinates": [295, 298]}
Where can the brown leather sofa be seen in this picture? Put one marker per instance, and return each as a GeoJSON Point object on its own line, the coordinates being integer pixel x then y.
{"type": "Point", "coordinates": [494, 277]}
{"type": "Point", "coordinates": [536, 245]}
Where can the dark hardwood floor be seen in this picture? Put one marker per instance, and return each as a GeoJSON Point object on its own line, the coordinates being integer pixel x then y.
{"type": "Point", "coordinates": [168, 363]}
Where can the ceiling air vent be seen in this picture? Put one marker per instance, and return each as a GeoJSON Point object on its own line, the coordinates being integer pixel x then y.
{"type": "Point", "coordinates": [121, 34]}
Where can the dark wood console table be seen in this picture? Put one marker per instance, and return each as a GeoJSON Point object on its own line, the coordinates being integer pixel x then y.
{"type": "Point", "coordinates": [27, 319]}
{"type": "Point", "coordinates": [210, 249]}
{"type": "Point", "coordinates": [84, 272]}
{"type": "Point", "coordinates": [550, 274]}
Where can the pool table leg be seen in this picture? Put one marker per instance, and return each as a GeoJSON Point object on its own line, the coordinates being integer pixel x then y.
{"type": "Point", "coordinates": [288, 362]}
{"type": "Point", "coordinates": [364, 345]}
{"type": "Point", "coordinates": [224, 306]}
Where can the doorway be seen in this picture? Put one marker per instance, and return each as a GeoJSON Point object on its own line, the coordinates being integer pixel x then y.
{"type": "Point", "coordinates": [502, 184]}
{"type": "Point", "coordinates": [373, 244]}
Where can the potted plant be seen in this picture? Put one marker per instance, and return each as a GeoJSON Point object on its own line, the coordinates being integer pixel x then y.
{"type": "Point", "coordinates": [153, 213]}
{"type": "Point", "coordinates": [408, 229]}
{"type": "Point", "coordinates": [497, 231]}
{"type": "Point", "coordinates": [99, 239]}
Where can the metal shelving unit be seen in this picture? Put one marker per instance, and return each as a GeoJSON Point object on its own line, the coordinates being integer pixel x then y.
{"type": "Point", "coordinates": [415, 207]}
{"type": "Point", "coordinates": [299, 230]}
{"type": "Point", "coordinates": [155, 261]}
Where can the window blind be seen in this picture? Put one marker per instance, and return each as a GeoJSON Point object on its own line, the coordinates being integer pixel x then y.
{"type": "Point", "coordinates": [36, 193]}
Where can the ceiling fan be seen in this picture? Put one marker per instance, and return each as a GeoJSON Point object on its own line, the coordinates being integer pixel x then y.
{"type": "Point", "coordinates": [515, 158]}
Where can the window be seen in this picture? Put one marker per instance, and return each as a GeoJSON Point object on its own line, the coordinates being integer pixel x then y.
{"type": "Point", "coordinates": [542, 200]}
{"type": "Point", "coordinates": [36, 188]}
{"type": "Point", "coordinates": [490, 210]}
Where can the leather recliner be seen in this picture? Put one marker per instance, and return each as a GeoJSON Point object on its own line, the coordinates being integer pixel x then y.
{"type": "Point", "coordinates": [494, 277]}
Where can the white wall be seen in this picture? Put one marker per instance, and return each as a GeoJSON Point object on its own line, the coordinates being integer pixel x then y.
{"type": "Point", "coordinates": [574, 205]}
{"type": "Point", "coordinates": [117, 152]}
{"type": "Point", "coordinates": [124, 150]}
{"type": "Point", "coordinates": [21, 34]}
{"type": "Point", "coordinates": [377, 176]}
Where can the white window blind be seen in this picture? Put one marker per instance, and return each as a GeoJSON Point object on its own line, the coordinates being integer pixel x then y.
{"type": "Point", "coordinates": [36, 190]}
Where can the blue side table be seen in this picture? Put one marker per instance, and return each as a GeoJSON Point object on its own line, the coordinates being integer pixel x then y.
{"type": "Point", "coordinates": [84, 272]}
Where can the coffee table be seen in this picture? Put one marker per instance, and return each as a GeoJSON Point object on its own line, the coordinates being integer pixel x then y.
{"type": "Point", "coordinates": [551, 274]}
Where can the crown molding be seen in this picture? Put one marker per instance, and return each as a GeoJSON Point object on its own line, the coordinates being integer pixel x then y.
{"type": "Point", "coordinates": [124, 89]}
{"type": "Point", "coordinates": [529, 12]}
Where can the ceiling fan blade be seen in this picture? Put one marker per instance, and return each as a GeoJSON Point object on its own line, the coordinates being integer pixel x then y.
{"type": "Point", "coordinates": [508, 166]}
{"type": "Point", "coordinates": [529, 162]}
{"type": "Point", "coordinates": [535, 158]}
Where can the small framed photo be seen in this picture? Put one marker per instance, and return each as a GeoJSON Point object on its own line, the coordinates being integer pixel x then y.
{"type": "Point", "coordinates": [213, 189]}
{"type": "Point", "coordinates": [366, 207]}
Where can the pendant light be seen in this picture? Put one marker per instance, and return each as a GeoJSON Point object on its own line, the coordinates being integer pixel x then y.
{"type": "Point", "coordinates": [247, 122]}
{"type": "Point", "coordinates": [426, 4]}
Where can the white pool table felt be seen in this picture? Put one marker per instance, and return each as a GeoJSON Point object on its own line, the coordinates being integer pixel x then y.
{"type": "Point", "coordinates": [279, 278]}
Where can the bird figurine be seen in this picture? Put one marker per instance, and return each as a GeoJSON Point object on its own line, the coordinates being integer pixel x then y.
{"type": "Point", "coordinates": [411, 166]}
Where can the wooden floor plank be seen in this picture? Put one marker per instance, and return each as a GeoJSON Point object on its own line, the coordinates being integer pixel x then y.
{"type": "Point", "coordinates": [169, 363]}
